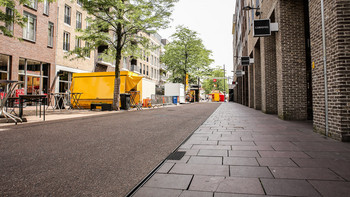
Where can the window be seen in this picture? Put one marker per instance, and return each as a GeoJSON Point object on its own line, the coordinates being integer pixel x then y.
{"type": "Point", "coordinates": [79, 3]}
{"type": "Point", "coordinates": [88, 24]}
{"type": "Point", "coordinates": [152, 72]}
{"type": "Point", "coordinates": [66, 43]}
{"type": "Point", "coordinates": [144, 69]}
{"type": "Point", "coordinates": [77, 43]}
{"type": "Point", "coordinates": [87, 52]}
{"type": "Point", "coordinates": [50, 36]}
{"type": "Point", "coordinates": [9, 25]}
{"type": "Point", "coordinates": [67, 14]}
{"type": "Point", "coordinates": [78, 25]}
{"type": "Point", "coordinates": [125, 65]}
{"type": "Point", "coordinates": [147, 70]}
{"type": "Point", "coordinates": [46, 7]}
{"type": "Point", "coordinates": [32, 4]}
{"type": "Point", "coordinates": [140, 68]}
{"type": "Point", "coordinates": [29, 29]}
{"type": "Point", "coordinates": [4, 69]}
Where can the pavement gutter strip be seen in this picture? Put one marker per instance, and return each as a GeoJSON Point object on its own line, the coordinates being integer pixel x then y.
{"type": "Point", "coordinates": [149, 175]}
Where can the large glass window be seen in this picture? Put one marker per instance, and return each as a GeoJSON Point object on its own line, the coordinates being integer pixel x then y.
{"type": "Point", "coordinates": [4, 67]}
{"type": "Point", "coordinates": [65, 81]}
{"type": "Point", "coordinates": [34, 75]}
{"type": "Point", "coordinates": [29, 29]}
{"type": "Point", "coordinates": [66, 41]}
{"type": "Point", "coordinates": [50, 36]}
{"type": "Point", "coordinates": [67, 14]}
{"type": "Point", "coordinates": [79, 18]}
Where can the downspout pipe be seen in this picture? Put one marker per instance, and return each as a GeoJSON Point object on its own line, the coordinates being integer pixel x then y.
{"type": "Point", "coordinates": [325, 67]}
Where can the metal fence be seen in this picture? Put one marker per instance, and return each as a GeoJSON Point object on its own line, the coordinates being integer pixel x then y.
{"type": "Point", "coordinates": [161, 100]}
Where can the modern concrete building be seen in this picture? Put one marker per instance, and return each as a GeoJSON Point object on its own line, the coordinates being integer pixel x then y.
{"type": "Point", "coordinates": [287, 76]}
{"type": "Point", "coordinates": [29, 56]}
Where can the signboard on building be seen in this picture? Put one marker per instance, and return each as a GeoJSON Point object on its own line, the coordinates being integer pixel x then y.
{"type": "Point", "coordinates": [245, 60]}
{"type": "Point", "coordinates": [262, 28]}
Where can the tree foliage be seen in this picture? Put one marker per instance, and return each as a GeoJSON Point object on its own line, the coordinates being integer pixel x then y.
{"type": "Point", "coordinates": [118, 24]}
{"type": "Point", "coordinates": [209, 85]}
{"type": "Point", "coordinates": [186, 54]}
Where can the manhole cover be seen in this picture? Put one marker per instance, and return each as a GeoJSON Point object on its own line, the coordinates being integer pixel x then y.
{"type": "Point", "coordinates": [176, 155]}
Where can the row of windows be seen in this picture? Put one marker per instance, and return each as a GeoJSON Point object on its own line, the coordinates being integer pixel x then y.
{"type": "Point", "coordinates": [29, 29]}
{"type": "Point", "coordinates": [68, 14]}
{"type": "Point", "coordinates": [154, 72]}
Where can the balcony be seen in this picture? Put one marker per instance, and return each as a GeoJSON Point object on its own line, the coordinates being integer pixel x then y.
{"type": "Point", "coordinates": [101, 59]}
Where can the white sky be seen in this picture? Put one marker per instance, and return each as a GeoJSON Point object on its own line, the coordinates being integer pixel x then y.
{"type": "Point", "coordinates": [212, 20]}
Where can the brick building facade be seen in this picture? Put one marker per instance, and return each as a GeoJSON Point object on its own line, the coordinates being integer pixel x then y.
{"type": "Point", "coordinates": [282, 79]}
{"type": "Point", "coordinates": [29, 56]}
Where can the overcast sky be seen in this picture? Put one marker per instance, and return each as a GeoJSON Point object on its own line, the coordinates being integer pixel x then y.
{"type": "Point", "coordinates": [212, 19]}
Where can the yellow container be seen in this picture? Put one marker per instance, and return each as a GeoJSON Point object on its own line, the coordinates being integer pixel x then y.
{"type": "Point", "coordinates": [98, 87]}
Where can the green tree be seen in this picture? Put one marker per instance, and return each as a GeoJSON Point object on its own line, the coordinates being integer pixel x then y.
{"type": "Point", "coordinates": [10, 14]}
{"type": "Point", "coordinates": [209, 85]}
{"type": "Point", "coordinates": [186, 54]}
{"type": "Point", "coordinates": [118, 24]}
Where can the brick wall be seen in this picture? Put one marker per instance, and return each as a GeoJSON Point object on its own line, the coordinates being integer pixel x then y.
{"type": "Point", "coordinates": [337, 20]}
{"type": "Point", "coordinates": [291, 60]}
{"type": "Point", "coordinates": [257, 77]}
{"type": "Point", "coordinates": [37, 50]}
{"type": "Point", "coordinates": [251, 86]}
{"type": "Point", "coordinates": [269, 75]}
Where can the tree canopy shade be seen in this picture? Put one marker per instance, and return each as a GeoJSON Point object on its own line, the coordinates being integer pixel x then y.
{"type": "Point", "coordinates": [186, 54]}
{"type": "Point", "coordinates": [209, 85]}
{"type": "Point", "coordinates": [10, 15]}
{"type": "Point", "coordinates": [118, 24]}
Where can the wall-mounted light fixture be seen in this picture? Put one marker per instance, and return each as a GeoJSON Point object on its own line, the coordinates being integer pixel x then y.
{"type": "Point", "coordinates": [247, 8]}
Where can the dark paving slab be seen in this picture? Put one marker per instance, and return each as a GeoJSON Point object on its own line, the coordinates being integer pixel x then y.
{"type": "Point", "coordinates": [196, 194]}
{"type": "Point", "coordinates": [304, 173]}
{"type": "Point", "coordinates": [283, 187]}
{"type": "Point", "coordinates": [284, 154]}
{"type": "Point", "coordinates": [332, 188]}
{"type": "Point", "coordinates": [206, 152]}
{"type": "Point", "coordinates": [237, 153]}
{"type": "Point", "coordinates": [205, 183]}
{"type": "Point", "coordinates": [276, 162]}
{"type": "Point", "coordinates": [240, 161]}
{"type": "Point", "coordinates": [241, 186]}
{"type": "Point", "coordinates": [157, 192]}
{"type": "Point", "coordinates": [205, 160]}
{"type": "Point", "coordinates": [165, 167]}
{"type": "Point", "coordinates": [198, 169]}
{"type": "Point", "coordinates": [169, 181]}
{"type": "Point", "coordinates": [237, 195]}
{"type": "Point", "coordinates": [250, 171]}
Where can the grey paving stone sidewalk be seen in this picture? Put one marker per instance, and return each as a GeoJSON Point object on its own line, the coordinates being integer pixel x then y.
{"type": "Point", "coordinates": [239, 151]}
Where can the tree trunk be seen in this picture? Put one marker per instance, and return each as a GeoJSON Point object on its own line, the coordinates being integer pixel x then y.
{"type": "Point", "coordinates": [116, 95]}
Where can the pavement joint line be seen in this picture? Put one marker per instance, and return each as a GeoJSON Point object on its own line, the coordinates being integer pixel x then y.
{"type": "Point", "coordinates": [150, 175]}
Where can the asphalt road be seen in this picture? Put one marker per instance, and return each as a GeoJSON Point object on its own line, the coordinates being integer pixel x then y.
{"type": "Point", "coordinates": [96, 156]}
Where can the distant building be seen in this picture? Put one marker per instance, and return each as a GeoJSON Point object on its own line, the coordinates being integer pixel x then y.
{"type": "Point", "coordinates": [287, 76]}
{"type": "Point", "coordinates": [32, 59]}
